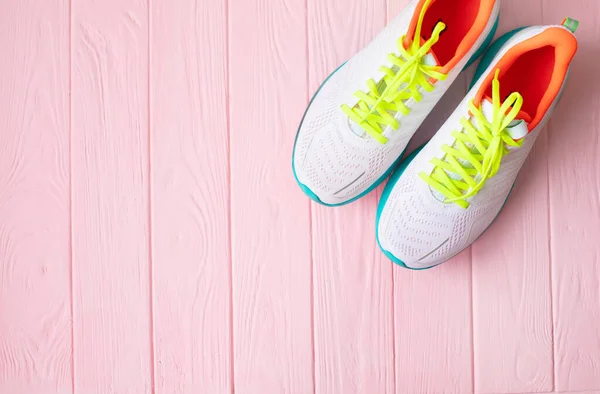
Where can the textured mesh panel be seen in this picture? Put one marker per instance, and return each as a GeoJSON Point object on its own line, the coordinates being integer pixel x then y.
{"type": "Point", "coordinates": [418, 226]}
{"type": "Point", "coordinates": [320, 114]}
{"type": "Point", "coordinates": [331, 163]}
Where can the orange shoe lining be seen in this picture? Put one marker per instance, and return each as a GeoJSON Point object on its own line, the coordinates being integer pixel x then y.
{"type": "Point", "coordinates": [465, 21]}
{"type": "Point", "coordinates": [530, 75]}
{"type": "Point", "coordinates": [536, 68]}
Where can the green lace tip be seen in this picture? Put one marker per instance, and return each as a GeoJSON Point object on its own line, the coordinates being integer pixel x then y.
{"type": "Point", "coordinates": [571, 24]}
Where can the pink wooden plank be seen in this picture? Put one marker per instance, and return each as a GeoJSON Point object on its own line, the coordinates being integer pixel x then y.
{"type": "Point", "coordinates": [269, 215]}
{"type": "Point", "coordinates": [512, 315]}
{"type": "Point", "coordinates": [111, 273]}
{"type": "Point", "coordinates": [352, 284]}
{"type": "Point", "coordinates": [353, 304]}
{"type": "Point", "coordinates": [585, 392]}
{"type": "Point", "coordinates": [432, 309]}
{"type": "Point", "coordinates": [433, 328]}
{"type": "Point", "coordinates": [190, 197]}
{"type": "Point", "coordinates": [35, 291]}
{"type": "Point", "coordinates": [574, 176]}
{"type": "Point", "coordinates": [573, 392]}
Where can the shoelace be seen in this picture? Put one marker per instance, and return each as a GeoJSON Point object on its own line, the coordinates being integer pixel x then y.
{"type": "Point", "coordinates": [487, 146]}
{"type": "Point", "coordinates": [375, 110]}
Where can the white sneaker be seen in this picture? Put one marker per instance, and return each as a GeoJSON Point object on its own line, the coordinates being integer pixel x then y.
{"type": "Point", "coordinates": [361, 119]}
{"type": "Point", "coordinates": [444, 197]}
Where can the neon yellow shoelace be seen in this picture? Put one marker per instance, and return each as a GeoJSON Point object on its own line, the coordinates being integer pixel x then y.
{"type": "Point", "coordinates": [475, 163]}
{"type": "Point", "coordinates": [375, 110]}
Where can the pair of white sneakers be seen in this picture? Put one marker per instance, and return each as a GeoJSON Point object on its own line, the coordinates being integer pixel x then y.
{"type": "Point", "coordinates": [443, 196]}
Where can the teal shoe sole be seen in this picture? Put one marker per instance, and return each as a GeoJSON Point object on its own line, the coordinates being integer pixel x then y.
{"type": "Point", "coordinates": [310, 193]}
{"type": "Point", "coordinates": [485, 62]}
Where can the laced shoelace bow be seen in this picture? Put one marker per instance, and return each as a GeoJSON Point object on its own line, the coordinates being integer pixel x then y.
{"type": "Point", "coordinates": [478, 150]}
{"type": "Point", "coordinates": [374, 110]}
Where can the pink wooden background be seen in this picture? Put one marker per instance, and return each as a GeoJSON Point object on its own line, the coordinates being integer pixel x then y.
{"type": "Point", "coordinates": [153, 240]}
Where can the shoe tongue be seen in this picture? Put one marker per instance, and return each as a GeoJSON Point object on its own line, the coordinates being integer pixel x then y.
{"type": "Point", "coordinates": [517, 129]}
{"type": "Point", "coordinates": [430, 59]}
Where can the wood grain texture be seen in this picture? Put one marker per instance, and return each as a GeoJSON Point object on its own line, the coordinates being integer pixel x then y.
{"type": "Point", "coordinates": [352, 281]}
{"type": "Point", "coordinates": [35, 291]}
{"type": "Point", "coordinates": [270, 218]}
{"type": "Point", "coordinates": [111, 264]}
{"type": "Point", "coordinates": [571, 392]}
{"type": "Point", "coordinates": [512, 310]}
{"type": "Point", "coordinates": [433, 328]}
{"type": "Point", "coordinates": [574, 179]}
{"type": "Point", "coordinates": [190, 197]}
{"type": "Point", "coordinates": [432, 309]}
{"type": "Point", "coordinates": [353, 306]}
{"type": "Point", "coordinates": [199, 266]}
